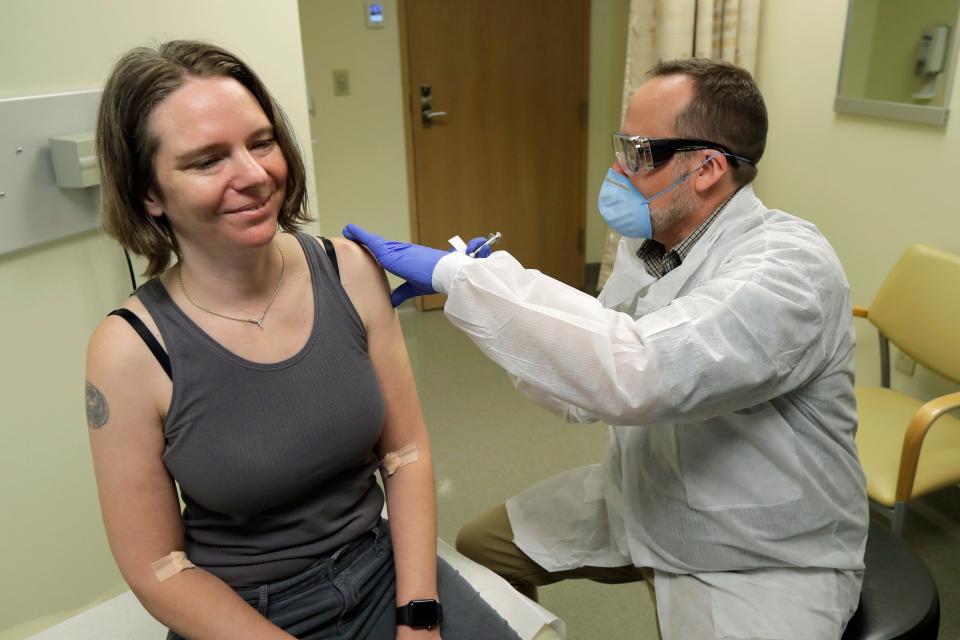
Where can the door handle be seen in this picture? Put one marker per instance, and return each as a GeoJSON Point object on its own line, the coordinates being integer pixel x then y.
{"type": "Point", "coordinates": [428, 116]}
{"type": "Point", "coordinates": [426, 106]}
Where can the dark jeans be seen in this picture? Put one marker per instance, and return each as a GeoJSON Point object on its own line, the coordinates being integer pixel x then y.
{"type": "Point", "coordinates": [350, 595]}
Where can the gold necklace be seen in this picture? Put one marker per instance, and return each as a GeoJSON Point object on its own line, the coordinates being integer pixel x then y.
{"type": "Point", "coordinates": [258, 321]}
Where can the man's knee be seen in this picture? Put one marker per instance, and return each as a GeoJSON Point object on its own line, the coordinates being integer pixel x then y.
{"type": "Point", "coordinates": [488, 540]}
{"type": "Point", "coordinates": [478, 538]}
{"type": "Point", "coordinates": [467, 542]}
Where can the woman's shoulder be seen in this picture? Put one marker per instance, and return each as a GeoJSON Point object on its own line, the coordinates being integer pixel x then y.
{"type": "Point", "coordinates": [353, 253]}
{"type": "Point", "coordinates": [362, 278]}
{"type": "Point", "coordinates": [356, 263]}
{"type": "Point", "coordinates": [116, 349]}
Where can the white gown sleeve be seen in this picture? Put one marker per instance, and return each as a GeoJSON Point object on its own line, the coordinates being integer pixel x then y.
{"type": "Point", "coordinates": [747, 335]}
{"type": "Point", "coordinates": [554, 405]}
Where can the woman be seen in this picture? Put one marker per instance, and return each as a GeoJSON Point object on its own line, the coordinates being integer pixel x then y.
{"type": "Point", "coordinates": [265, 382]}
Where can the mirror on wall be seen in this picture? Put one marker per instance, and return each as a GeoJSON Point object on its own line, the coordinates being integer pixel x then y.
{"type": "Point", "coordinates": [898, 59]}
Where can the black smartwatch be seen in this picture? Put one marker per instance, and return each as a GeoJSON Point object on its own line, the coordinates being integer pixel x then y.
{"type": "Point", "coordinates": [420, 614]}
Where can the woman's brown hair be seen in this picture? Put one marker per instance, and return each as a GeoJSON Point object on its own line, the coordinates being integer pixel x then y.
{"type": "Point", "coordinates": [141, 80]}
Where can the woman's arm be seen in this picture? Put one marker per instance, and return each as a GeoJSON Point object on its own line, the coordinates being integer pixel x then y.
{"type": "Point", "coordinates": [411, 500]}
{"type": "Point", "coordinates": [126, 392]}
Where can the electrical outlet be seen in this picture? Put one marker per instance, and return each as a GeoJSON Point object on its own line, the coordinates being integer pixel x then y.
{"type": "Point", "coordinates": [341, 82]}
{"type": "Point", "coordinates": [905, 364]}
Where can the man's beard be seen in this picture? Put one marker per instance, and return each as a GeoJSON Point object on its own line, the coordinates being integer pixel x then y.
{"type": "Point", "coordinates": [680, 205]}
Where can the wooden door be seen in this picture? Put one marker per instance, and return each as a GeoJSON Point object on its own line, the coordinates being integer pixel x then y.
{"type": "Point", "coordinates": [510, 153]}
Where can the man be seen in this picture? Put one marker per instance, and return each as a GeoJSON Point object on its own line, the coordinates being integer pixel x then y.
{"type": "Point", "coordinates": [721, 354]}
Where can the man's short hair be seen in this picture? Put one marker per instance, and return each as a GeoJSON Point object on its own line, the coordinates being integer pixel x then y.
{"type": "Point", "coordinates": [726, 108]}
{"type": "Point", "coordinates": [143, 78]}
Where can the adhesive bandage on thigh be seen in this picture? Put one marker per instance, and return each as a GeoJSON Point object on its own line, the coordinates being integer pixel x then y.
{"type": "Point", "coordinates": [170, 565]}
{"type": "Point", "coordinates": [396, 460]}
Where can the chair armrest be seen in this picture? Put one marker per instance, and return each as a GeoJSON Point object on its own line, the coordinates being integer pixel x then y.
{"type": "Point", "coordinates": [860, 312]}
{"type": "Point", "coordinates": [921, 422]}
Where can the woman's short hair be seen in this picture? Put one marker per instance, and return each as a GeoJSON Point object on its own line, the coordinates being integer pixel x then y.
{"type": "Point", "coordinates": [726, 108]}
{"type": "Point", "coordinates": [141, 80]}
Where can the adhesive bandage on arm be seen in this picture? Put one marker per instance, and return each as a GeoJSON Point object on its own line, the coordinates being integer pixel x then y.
{"type": "Point", "coordinates": [170, 565]}
{"type": "Point", "coordinates": [396, 460]}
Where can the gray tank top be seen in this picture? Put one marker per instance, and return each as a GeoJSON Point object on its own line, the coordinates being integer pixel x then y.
{"type": "Point", "coordinates": [275, 462]}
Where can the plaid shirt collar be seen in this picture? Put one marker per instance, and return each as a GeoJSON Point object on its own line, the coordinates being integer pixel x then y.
{"type": "Point", "coordinates": [659, 262]}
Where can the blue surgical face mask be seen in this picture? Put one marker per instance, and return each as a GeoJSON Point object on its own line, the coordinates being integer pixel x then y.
{"type": "Point", "coordinates": [625, 209]}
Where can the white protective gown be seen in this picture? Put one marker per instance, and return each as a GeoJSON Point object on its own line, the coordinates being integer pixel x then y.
{"type": "Point", "coordinates": [728, 385]}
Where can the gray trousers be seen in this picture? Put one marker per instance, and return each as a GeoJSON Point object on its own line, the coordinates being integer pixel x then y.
{"type": "Point", "coordinates": [350, 595]}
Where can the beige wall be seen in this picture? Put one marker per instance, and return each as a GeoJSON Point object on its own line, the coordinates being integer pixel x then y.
{"type": "Point", "coordinates": [55, 555]}
{"type": "Point", "coordinates": [358, 140]}
{"type": "Point", "coordinates": [608, 52]}
{"type": "Point", "coordinates": [873, 186]}
{"type": "Point", "coordinates": [858, 44]}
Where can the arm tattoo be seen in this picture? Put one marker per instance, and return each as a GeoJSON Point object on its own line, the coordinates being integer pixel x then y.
{"type": "Point", "coordinates": [98, 411]}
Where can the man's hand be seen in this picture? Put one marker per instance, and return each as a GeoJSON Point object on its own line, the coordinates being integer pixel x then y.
{"type": "Point", "coordinates": [412, 262]}
{"type": "Point", "coordinates": [475, 244]}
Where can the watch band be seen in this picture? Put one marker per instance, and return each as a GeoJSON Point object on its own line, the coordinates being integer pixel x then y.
{"type": "Point", "coordinates": [420, 614]}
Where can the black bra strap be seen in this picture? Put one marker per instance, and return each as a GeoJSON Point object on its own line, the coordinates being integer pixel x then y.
{"type": "Point", "coordinates": [328, 246]}
{"type": "Point", "coordinates": [147, 337]}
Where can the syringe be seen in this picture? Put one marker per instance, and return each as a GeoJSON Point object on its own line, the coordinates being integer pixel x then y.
{"type": "Point", "coordinates": [492, 240]}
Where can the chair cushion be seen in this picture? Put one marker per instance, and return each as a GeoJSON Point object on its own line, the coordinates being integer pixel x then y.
{"type": "Point", "coordinates": [884, 416]}
{"type": "Point", "coordinates": [899, 598]}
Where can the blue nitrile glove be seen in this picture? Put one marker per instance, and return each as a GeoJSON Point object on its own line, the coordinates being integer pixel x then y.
{"type": "Point", "coordinates": [477, 242]}
{"type": "Point", "coordinates": [411, 262]}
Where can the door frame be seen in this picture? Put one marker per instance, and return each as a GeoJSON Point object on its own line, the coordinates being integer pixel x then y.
{"type": "Point", "coordinates": [409, 107]}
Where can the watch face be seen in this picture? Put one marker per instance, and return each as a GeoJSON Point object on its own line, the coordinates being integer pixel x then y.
{"type": "Point", "coordinates": [424, 613]}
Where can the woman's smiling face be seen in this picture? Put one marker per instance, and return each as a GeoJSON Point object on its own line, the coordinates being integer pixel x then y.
{"type": "Point", "coordinates": [220, 172]}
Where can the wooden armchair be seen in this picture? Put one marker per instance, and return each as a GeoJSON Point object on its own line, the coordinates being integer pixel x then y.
{"type": "Point", "coordinates": [909, 448]}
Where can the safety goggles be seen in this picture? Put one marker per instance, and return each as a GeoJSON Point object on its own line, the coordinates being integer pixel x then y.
{"type": "Point", "coordinates": [637, 154]}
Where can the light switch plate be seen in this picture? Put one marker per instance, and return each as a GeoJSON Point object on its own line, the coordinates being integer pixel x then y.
{"type": "Point", "coordinates": [341, 82]}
